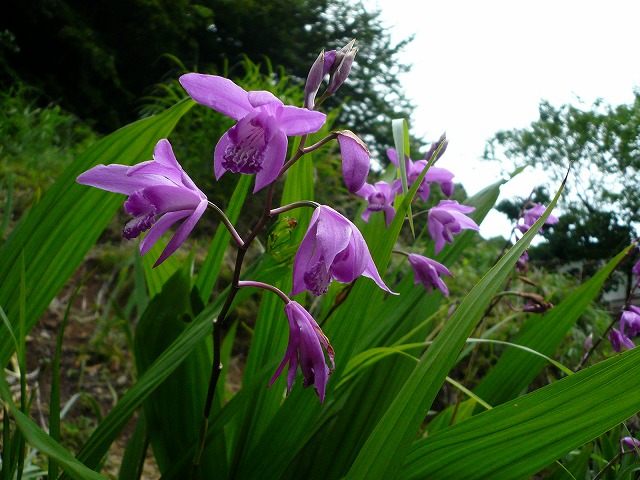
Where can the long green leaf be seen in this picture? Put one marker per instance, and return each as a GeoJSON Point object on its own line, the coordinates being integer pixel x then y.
{"type": "Point", "coordinates": [185, 389]}
{"type": "Point", "coordinates": [543, 333]}
{"type": "Point", "coordinates": [43, 442]}
{"type": "Point", "coordinates": [384, 452]}
{"type": "Point", "coordinates": [98, 444]}
{"type": "Point", "coordinates": [400, 131]}
{"type": "Point", "coordinates": [517, 439]}
{"type": "Point", "coordinates": [58, 232]}
{"type": "Point", "coordinates": [385, 320]}
{"type": "Point", "coordinates": [54, 399]}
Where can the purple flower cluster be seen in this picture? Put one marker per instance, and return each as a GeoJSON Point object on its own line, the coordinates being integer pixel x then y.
{"type": "Point", "coordinates": [161, 194]}
{"type": "Point", "coordinates": [531, 216]}
{"type": "Point", "coordinates": [524, 224]}
{"type": "Point", "coordinates": [629, 328]}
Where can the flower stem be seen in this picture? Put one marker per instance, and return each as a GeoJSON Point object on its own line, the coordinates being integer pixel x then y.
{"type": "Point", "coordinates": [219, 322]}
{"type": "Point", "coordinates": [227, 223]}
{"type": "Point", "coordinates": [265, 286]}
{"type": "Point", "coordinates": [291, 206]}
{"type": "Point", "coordinates": [613, 461]}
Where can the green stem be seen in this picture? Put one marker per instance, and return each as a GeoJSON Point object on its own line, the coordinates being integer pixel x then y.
{"type": "Point", "coordinates": [219, 322]}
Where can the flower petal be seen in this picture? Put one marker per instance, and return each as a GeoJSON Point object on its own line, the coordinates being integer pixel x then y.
{"type": "Point", "coordinates": [366, 190]}
{"type": "Point", "coordinates": [219, 93]}
{"type": "Point", "coordinates": [258, 98]}
{"type": "Point", "coordinates": [114, 178]}
{"type": "Point", "coordinates": [333, 233]}
{"type": "Point", "coordinates": [171, 198]}
{"type": "Point", "coordinates": [164, 163]}
{"type": "Point", "coordinates": [182, 233]}
{"type": "Point", "coordinates": [355, 160]}
{"type": "Point", "coordinates": [274, 155]}
{"type": "Point", "coordinates": [161, 226]}
{"type": "Point", "coordinates": [389, 214]}
{"type": "Point", "coordinates": [302, 260]}
{"type": "Point", "coordinates": [218, 155]}
{"type": "Point", "coordinates": [299, 121]}
{"type": "Point", "coordinates": [393, 156]}
{"type": "Point", "coordinates": [371, 271]}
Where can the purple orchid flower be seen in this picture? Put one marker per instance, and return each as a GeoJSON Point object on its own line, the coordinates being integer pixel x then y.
{"type": "Point", "coordinates": [442, 176]}
{"type": "Point", "coordinates": [341, 66]}
{"type": "Point", "coordinates": [258, 142]}
{"type": "Point", "coordinates": [380, 197]}
{"type": "Point", "coordinates": [427, 272]}
{"type": "Point", "coordinates": [588, 342]}
{"type": "Point", "coordinates": [441, 143]}
{"type": "Point", "coordinates": [448, 219]}
{"type": "Point", "coordinates": [619, 339]}
{"type": "Point", "coordinates": [306, 341]}
{"type": "Point", "coordinates": [630, 319]}
{"type": "Point", "coordinates": [522, 264]}
{"type": "Point", "coordinates": [636, 271]}
{"type": "Point", "coordinates": [355, 160]}
{"type": "Point", "coordinates": [158, 190]}
{"type": "Point", "coordinates": [319, 69]}
{"type": "Point", "coordinates": [532, 215]}
{"type": "Point", "coordinates": [332, 248]}
{"type": "Point", "coordinates": [631, 444]}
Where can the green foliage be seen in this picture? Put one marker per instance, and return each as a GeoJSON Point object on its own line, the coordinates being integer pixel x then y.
{"type": "Point", "coordinates": [600, 142]}
{"type": "Point", "coordinates": [36, 144]}
{"type": "Point", "coordinates": [395, 355]}
{"type": "Point", "coordinates": [88, 56]}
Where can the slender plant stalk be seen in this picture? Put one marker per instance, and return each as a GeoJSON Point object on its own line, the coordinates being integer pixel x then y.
{"type": "Point", "coordinates": [6, 443]}
{"type": "Point", "coordinates": [242, 247]}
{"type": "Point", "coordinates": [613, 461]}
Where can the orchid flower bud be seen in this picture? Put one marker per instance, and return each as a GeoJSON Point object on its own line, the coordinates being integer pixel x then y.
{"type": "Point", "coordinates": [314, 79]}
{"type": "Point", "coordinates": [434, 147]}
{"type": "Point", "coordinates": [341, 67]}
{"type": "Point", "coordinates": [355, 160]}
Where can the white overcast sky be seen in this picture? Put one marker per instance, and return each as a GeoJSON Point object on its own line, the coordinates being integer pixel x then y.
{"type": "Point", "coordinates": [484, 66]}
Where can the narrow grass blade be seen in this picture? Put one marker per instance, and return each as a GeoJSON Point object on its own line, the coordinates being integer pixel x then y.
{"type": "Point", "coordinates": [54, 399]}
{"type": "Point", "coordinates": [43, 442]}
{"type": "Point", "coordinates": [58, 232]}
{"type": "Point", "coordinates": [135, 452]}
{"type": "Point", "coordinates": [384, 452]}
{"type": "Point", "coordinates": [542, 333]}
{"type": "Point", "coordinates": [518, 438]}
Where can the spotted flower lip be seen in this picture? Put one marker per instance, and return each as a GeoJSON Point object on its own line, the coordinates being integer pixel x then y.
{"type": "Point", "coordinates": [305, 347]}
{"type": "Point", "coordinates": [447, 219]}
{"type": "Point", "coordinates": [428, 272]}
{"type": "Point", "coordinates": [380, 197]}
{"type": "Point", "coordinates": [160, 194]}
{"type": "Point", "coordinates": [332, 249]}
{"type": "Point", "coordinates": [258, 142]}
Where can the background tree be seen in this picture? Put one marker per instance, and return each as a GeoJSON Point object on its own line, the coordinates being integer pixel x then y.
{"type": "Point", "coordinates": [600, 210]}
{"type": "Point", "coordinates": [99, 58]}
